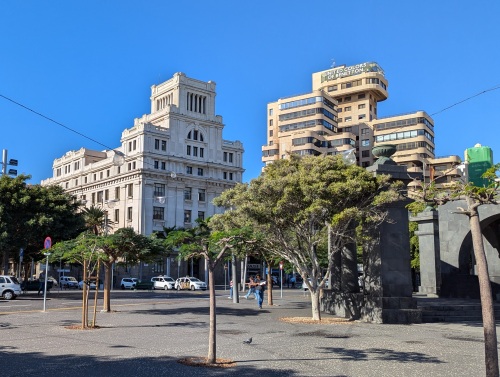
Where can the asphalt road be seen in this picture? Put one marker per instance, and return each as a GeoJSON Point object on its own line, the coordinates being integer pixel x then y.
{"type": "Point", "coordinates": [148, 332]}
{"type": "Point", "coordinates": [69, 299]}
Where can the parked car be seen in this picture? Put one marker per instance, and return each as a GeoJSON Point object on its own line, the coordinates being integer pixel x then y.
{"type": "Point", "coordinates": [68, 282]}
{"type": "Point", "coordinates": [191, 283]}
{"type": "Point", "coordinates": [53, 280]}
{"type": "Point", "coordinates": [128, 283]}
{"type": "Point", "coordinates": [163, 282]}
{"type": "Point", "coordinates": [9, 287]}
{"type": "Point", "coordinates": [34, 285]}
{"type": "Point", "coordinates": [91, 286]}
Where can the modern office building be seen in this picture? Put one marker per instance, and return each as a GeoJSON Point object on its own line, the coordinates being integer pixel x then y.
{"type": "Point", "coordinates": [341, 114]}
{"type": "Point", "coordinates": [168, 168]}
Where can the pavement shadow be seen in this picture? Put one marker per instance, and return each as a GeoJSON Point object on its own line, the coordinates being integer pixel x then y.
{"type": "Point", "coordinates": [381, 354]}
{"type": "Point", "coordinates": [45, 365]}
{"type": "Point", "coordinates": [204, 310]}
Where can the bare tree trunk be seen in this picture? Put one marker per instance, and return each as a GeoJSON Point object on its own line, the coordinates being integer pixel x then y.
{"type": "Point", "coordinates": [243, 279]}
{"type": "Point", "coordinates": [107, 286]}
{"type": "Point", "coordinates": [489, 327]}
{"type": "Point", "coordinates": [212, 332]}
{"type": "Point", "coordinates": [96, 293]}
{"type": "Point", "coordinates": [316, 314]}
{"type": "Point", "coordinates": [269, 286]}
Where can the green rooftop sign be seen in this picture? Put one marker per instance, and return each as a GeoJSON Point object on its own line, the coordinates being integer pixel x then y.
{"type": "Point", "coordinates": [352, 70]}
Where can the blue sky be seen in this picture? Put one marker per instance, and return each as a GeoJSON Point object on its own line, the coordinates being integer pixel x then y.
{"type": "Point", "coordinates": [90, 65]}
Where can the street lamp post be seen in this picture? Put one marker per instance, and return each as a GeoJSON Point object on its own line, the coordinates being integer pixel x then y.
{"type": "Point", "coordinates": [110, 204]}
{"type": "Point", "coordinates": [45, 283]}
{"type": "Point", "coordinates": [5, 163]}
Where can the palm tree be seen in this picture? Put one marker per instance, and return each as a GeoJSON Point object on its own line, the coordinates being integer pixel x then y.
{"type": "Point", "coordinates": [94, 219]}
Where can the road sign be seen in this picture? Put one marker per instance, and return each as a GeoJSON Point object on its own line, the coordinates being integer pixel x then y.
{"type": "Point", "coordinates": [281, 265]}
{"type": "Point", "coordinates": [47, 243]}
{"type": "Point", "coordinates": [63, 270]}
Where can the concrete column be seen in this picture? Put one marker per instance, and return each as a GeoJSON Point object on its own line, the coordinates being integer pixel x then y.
{"type": "Point", "coordinates": [388, 284]}
{"type": "Point", "coordinates": [430, 260]}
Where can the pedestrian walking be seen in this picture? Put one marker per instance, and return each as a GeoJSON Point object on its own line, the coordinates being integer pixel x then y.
{"type": "Point", "coordinates": [41, 285]}
{"type": "Point", "coordinates": [251, 288]}
{"type": "Point", "coordinates": [260, 287]}
{"type": "Point", "coordinates": [230, 289]}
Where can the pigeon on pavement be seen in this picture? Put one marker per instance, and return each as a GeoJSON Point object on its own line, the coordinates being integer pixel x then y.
{"type": "Point", "coordinates": [248, 341]}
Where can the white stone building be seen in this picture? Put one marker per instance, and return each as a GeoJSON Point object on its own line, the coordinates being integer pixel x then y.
{"type": "Point", "coordinates": [175, 163]}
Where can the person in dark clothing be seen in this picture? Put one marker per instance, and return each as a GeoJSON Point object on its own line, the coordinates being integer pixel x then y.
{"type": "Point", "coordinates": [41, 286]}
{"type": "Point", "coordinates": [260, 287]}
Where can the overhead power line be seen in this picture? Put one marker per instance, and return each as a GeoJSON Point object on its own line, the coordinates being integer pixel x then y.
{"type": "Point", "coordinates": [68, 128]}
{"type": "Point", "coordinates": [53, 121]}
{"type": "Point", "coordinates": [466, 99]}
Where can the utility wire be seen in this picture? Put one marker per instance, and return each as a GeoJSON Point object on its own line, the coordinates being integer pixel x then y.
{"type": "Point", "coordinates": [54, 121]}
{"type": "Point", "coordinates": [455, 104]}
{"type": "Point", "coordinates": [464, 100]}
{"type": "Point", "coordinates": [66, 127]}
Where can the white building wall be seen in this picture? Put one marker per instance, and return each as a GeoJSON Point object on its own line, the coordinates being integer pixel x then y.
{"type": "Point", "coordinates": [169, 122]}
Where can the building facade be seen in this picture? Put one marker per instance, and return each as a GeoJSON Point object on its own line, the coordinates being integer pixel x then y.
{"type": "Point", "coordinates": [169, 167]}
{"type": "Point", "coordinates": [306, 125]}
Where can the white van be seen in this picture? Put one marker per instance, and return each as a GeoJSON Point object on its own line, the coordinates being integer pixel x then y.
{"type": "Point", "coordinates": [68, 282]}
{"type": "Point", "coordinates": [9, 287]}
{"type": "Point", "coordinates": [163, 282]}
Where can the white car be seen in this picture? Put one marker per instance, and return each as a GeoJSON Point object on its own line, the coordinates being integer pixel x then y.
{"type": "Point", "coordinates": [92, 285]}
{"type": "Point", "coordinates": [163, 282]}
{"type": "Point", "coordinates": [54, 281]}
{"type": "Point", "coordinates": [10, 287]}
{"type": "Point", "coordinates": [128, 283]}
{"type": "Point", "coordinates": [191, 283]}
{"type": "Point", "coordinates": [68, 282]}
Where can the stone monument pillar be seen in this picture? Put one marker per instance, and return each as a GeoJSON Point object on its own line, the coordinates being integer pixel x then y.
{"type": "Point", "coordinates": [388, 284]}
{"type": "Point", "coordinates": [430, 260]}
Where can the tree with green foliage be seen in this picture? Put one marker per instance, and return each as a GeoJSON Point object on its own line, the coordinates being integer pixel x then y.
{"type": "Point", "coordinates": [473, 197]}
{"type": "Point", "coordinates": [95, 219]}
{"type": "Point", "coordinates": [83, 250]}
{"type": "Point", "coordinates": [203, 241]}
{"type": "Point", "coordinates": [30, 213]}
{"type": "Point", "coordinates": [124, 244]}
{"type": "Point", "coordinates": [127, 245]}
{"type": "Point", "coordinates": [299, 200]}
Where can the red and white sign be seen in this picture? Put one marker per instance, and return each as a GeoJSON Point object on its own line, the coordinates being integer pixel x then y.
{"type": "Point", "coordinates": [281, 265]}
{"type": "Point", "coordinates": [47, 244]}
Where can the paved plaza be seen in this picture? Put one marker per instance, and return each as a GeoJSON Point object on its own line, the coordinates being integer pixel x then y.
{"type": "Point", "coordinates": [148, 332]}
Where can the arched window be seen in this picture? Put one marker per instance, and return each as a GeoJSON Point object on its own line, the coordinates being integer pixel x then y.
{"type": "Point", "coordinates": [189, 135]}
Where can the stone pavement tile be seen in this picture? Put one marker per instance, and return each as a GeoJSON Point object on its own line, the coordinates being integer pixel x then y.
{"type": "Point", "coordinates": [148, 339]}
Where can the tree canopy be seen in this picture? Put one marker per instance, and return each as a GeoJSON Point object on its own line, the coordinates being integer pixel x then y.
{"type": "Point", "coordinates": [208, 240]}
{"type": "Point", "coordinates": [297, 202]}
{"type": "Point", "coordinates": [30, 213]}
